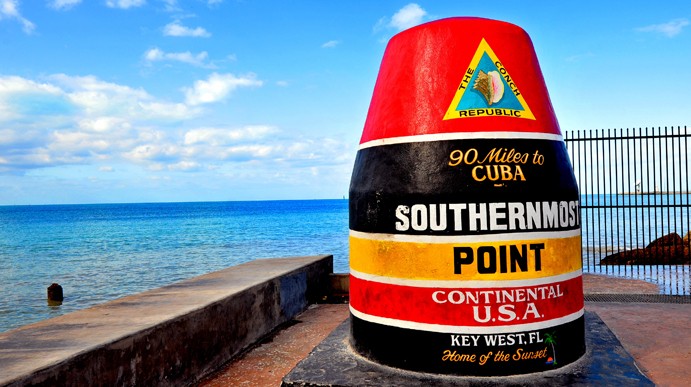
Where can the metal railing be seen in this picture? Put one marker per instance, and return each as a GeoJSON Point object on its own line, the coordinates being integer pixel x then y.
{"type": "Point", "coordinates": [634, 186]}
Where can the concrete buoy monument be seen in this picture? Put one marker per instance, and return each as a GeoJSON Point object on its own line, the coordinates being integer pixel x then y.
{"type": "Point", "coordinates": [465, 246]}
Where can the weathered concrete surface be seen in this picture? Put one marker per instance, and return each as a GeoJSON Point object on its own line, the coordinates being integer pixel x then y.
{"type": "Point", "coordinates": [658, 336]}
{"type": "Point", "coordinates": [334, 363]}
{"type": "Point", "coordinates": [664, 357]}
{"type": "Point", "coordinates": [602, 284]}
{"type": "Point", "coordinates": [167, 336]}
{"type": "Point", "coordinates": [267, 363]}
{"type": "Point", "coordinates": [666, 361]}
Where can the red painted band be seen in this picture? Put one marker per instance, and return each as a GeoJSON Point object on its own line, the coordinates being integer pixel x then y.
{"type": "Point", "coordinates": [425, 66]}
{"type": "Point", "coordinates": [470, 307]}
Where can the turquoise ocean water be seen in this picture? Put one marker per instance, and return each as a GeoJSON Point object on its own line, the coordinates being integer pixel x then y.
{"type": "Point", "coordinates": [611, 223]}
{"type": "Point", "coordinates": [104, 251]}
{"type": "Point", "coordinates": [101, 252]}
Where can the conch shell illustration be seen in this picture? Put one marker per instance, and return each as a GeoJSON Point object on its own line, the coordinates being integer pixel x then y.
{"type": "Point", "coordinates": [490, 85]}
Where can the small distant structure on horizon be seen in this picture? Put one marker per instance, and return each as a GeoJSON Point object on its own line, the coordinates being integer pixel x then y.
{"type": "Point", "coordinates": [657, 191]}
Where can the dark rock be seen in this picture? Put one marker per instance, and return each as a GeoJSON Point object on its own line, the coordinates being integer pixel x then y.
{"type": "Point", "coordinates": [672, 239]}
{"type": "Point", "coordinates": [670, 249]}
{"type": "Point", "coordinates": [55, 293]}
{"type": "Point", "coordinates": [670, 255]}
{"type": "Point", "coordinates": [623, 257]}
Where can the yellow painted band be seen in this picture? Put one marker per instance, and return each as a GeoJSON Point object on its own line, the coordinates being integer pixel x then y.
{"type": "Point", "coordinates": [435, 261]}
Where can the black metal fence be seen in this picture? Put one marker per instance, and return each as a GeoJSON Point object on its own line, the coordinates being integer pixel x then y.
{"type": "Point", "coordinates": [634, 186]}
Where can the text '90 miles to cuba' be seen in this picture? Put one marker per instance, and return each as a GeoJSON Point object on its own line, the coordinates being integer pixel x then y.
{"type": "Point", "coordinates": [498, 164]}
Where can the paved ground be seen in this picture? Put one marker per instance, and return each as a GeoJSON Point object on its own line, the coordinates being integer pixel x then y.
{"type": "Point", "coordinates": [601, 284]}
{"type": "Point", "coordinates": [271, 360]}
{"type": "Point", "coordinates": [657, 335]}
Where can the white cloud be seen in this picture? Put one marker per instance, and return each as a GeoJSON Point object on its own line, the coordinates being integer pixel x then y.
{"type": "Point", "coordinates": [15, 91]}
{"type": "Point", "coordinates": [199, 60]}
{"type": "Point", "coordinates": [167, 110]}
{"type": "Point", "coordinates": [330, 44]}
{"type": "Point", "coordinates": [69, 120]}
{"type": "Point", "coordinates": [105, 124]}
{"type": "Point", "coordinates": [244, 152]}
{"type": "Point", "coordinates": [185, 165]}
{"type": "Point", "coordinates": [669, 29]}
{"type": "Point", "coordinates": [9, 9]}
{"type": "Point", "coordinates": [177, 29]}
{"type": "Point", "coordinates": [282, 83]}
{"type": "Point", "coordinates": [86, 96]}
{"type": "Point", "coordinates": [7, 113]}
{"type": "Point", "coordinates": [155, 151]}
{"type": "Point", "coordinates": [63, 4]}
{"type": "Point", "coordinates": [408, 16]}
{"type": "Point", "coordinates": [95, 96]}
{"type": "Point", "coordinates": [78, 120]}
{"type": "Point", "coordinates": [125, 4]}
{"type": "Point", "coordinates": [15, 84]}
{"type": "Point", "coordinates": [217, 87]}
{"type": "Point", "coordinates": [223, 137]}
{"type": "Point", "coordinates": [76, 146]}
{"type": "Point", "coordinates": [171, 5]}
{"type": "Point", "coordinates": [154, 54]}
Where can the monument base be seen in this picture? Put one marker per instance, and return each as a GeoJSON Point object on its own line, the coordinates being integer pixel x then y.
{"type": "Point", "coordinates": [334, 363]}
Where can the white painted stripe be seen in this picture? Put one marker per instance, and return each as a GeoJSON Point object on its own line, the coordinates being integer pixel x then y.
{"type": "Point", "coordinates": [461, 284]}
{"type": "Point", "coordinates": [466, 329]}
{"type": "Point", "coordinates": [523, 236]}
{"type": "Point", "coordinates": [461, 136]}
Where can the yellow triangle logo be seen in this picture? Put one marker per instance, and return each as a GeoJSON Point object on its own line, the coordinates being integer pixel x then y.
{"type": "Point", "coordinates": [487, 90]}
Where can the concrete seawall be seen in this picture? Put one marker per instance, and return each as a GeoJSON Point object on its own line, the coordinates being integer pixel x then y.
{"type": "Point", "coordinates": [167, 336]}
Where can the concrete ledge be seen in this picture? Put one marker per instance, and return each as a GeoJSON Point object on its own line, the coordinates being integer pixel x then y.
{"type": "Point", "coordinates": [167, 336]}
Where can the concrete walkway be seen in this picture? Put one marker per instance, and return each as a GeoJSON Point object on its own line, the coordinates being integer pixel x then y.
{"type": "Point", "coordinates": [657, 335]}
{"type": "Point", "coordinates": [267, 363]}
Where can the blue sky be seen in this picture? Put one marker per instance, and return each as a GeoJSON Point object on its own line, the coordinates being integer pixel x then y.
{"type": "Point", "coordinates": [106, 101]}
